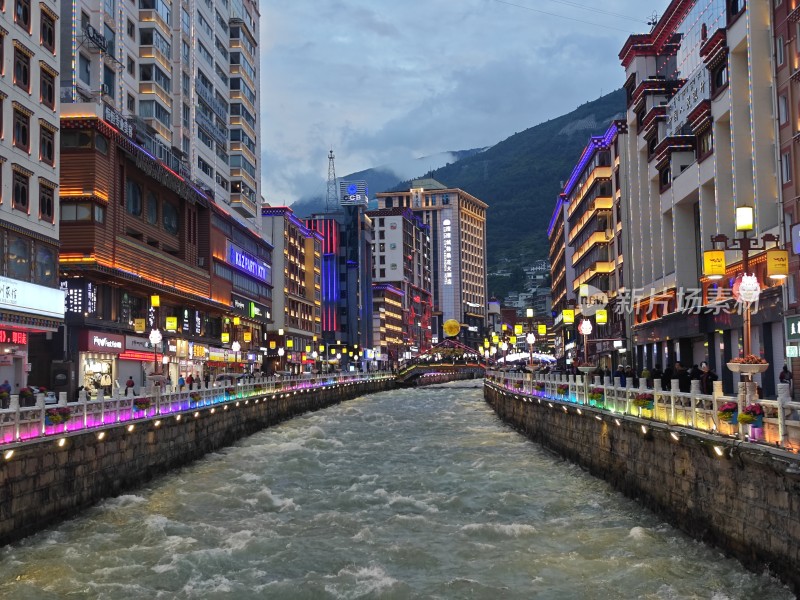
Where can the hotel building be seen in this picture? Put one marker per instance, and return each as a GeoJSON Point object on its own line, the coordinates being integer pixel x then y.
{"type": "Point", "coordinates": [457, 222]}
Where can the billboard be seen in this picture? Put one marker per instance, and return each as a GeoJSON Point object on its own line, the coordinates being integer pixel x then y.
{"type": "Point", "coordinates": [353, 193]}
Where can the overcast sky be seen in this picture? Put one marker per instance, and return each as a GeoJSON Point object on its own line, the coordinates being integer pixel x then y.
{"type": "Point", "coordinates": [386, 80]}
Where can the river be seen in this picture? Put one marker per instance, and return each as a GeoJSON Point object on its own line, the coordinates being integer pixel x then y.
{"type": "Point", "coordinates": [419, 493]}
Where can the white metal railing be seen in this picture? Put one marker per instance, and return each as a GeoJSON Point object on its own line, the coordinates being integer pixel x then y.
{"type": "Point", "coordinates": [29, 423]}
{"type": "Point", "coordinates": [693, 410]}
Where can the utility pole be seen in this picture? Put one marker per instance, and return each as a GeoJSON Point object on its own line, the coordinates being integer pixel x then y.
{"type": "Point", "coordinates": [331, 199]}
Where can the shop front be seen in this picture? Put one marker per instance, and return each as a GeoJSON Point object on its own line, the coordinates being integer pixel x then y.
{"type": "Point", "coordinates": [98, 354]}
{"type": "Point", "coordinates": [138, 360]}
{"type": "Point", "coordinates": [28, 309]}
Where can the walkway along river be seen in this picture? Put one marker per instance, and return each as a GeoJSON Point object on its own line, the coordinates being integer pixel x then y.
{"type": "Point", "coordinates": [419, 493]}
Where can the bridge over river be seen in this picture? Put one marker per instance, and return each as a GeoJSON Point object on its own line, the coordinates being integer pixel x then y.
{"type": "Point", "coordinates": [410, 493]}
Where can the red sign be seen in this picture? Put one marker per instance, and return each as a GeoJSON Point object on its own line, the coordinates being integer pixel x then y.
{"type": "Point", "coordinates": [141, 356]}
{"type": "Point", "coordinates": [9, 336]}
{"type": "Point", "coordinates": [98, 341]}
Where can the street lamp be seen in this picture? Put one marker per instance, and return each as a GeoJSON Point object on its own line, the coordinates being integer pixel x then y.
{"type": "Point", "coordinates": [155, 339]}
{"type": "Point", "coordinates": [585, 329]}
{"type": "Point", "coordinates": [714, 266]}
{"type": "Point", "coordinates": [236, 346]}
{"type": "Point", "coordinates": [531, 340]}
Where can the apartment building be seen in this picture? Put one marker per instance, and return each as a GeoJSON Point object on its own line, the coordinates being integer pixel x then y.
{"type": "Point", "coordinates": [184, 80]}
{"type": "Point", "coordinates": [31, 304]}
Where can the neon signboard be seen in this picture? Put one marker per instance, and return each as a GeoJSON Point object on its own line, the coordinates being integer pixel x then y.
{"type": "Point", "coordinates": [247, 263]}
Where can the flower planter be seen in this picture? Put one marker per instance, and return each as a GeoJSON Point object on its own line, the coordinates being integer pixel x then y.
{"type": "Point", "coordinates": [748, 369]}
{"type": "Point", "coordinates": [645, 405]}
{"type": "Point", "coordinates": [757, 422]}
{"type": "Point", "coordinates": [729, 417]}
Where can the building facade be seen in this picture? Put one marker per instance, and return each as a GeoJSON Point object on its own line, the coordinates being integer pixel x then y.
{"type": "Point", "coordinates": [388, 325]}
{"type": "Point", "coordinates": [401, 257]}
{"type": "Point", "coordinates": [457, 222]}
{"type": "Point", "coordinates": [562, 276]}
{"type": "Point", "coordinates": [186, 78]}
{"type": "Point", "coordinates": [701, 144]}
{"type": "Point", "coordinates": [594, 231]}
{"type": "Point", "coordinates": [144, 251]}
{"type": "Point", "coordinates": [297, 264]}
{"type": "Point", "coordinates": [31, 303]}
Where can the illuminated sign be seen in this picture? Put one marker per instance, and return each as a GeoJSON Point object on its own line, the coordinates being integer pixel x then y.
{"type": "Point", "coordinates": [353, 193]}
{"type": "Point", "coordinates": [172, 324]}
{"type": "Point", "coordinates": [96, 341]}
{"type": "Point", "coordinates": [793, 328]}
{"type": "Point", "coordinates": [9, 336]}
{"type": "Point", "coordinates": [30, 298]}
{"type": "Point", "coordinates": [447, 252]}
{"type": "Point", "coordinates": [117, 120]}
{"type": "Point", "coordinates": [247, 263]}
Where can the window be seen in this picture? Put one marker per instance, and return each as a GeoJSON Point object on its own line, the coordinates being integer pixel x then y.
{"type": "Point", "coordinates": [84, 73]}
{"type": "Point", "coordinates": [22, 70]}
{"type": "Point", "coordinates": [47, 146]}
{"type": "Point", "coordinates": [22, 14]}
{"type": "Point", "coordinates": [19, 258]}
{"type": "Point", "coordinates": [779, 51]}
{"type": "Point", "coordinates": [205, 53]}
{"type": "Point", "coordinates": [48, 32]}
{"type": "Point", "coordinates": [46, 203]}
{"type": "Point", "coordinates": [186, 115]}
{"type": "Point", "coordinates": [48, 89]}
{"type": "Point", "coordinates": [205, 138]}
{"type": "Point", "coordinates": [131, 66]}
{"type": "Point", "coordinates": [19, 197]}
{"type": "Point", "coordinates": [705, 143]}
{"type": "Point", "coordinates": [783, 110]}
{"type": "Point", "coordinates": [151, 208]}
{"type": "Point", "coordinates": [46, 265]}
{"type": "Point", "coordinates": [786, 168]}
{"type": "Point", "coordinates": [665, 178]}
{"type": "Point", "coordinates": [169, 218]}
{"type": "Point", "coordinates": [205, 167]}
{"type": "Point", "coordinates": [131, 29]}
{"type": "Point", "coordinates": [131, 104]}
{"type": "Point", "coordinates": [109, 80]}
{"type": "Point", "coordinates": [133, 198]}
{"type": "Point", "coordinates": [101, 143]}
{"type": "Point", "coordinates": [719, 78]}
{"type": "Point", "coordinates": [76, 212]}
{"type": "Point", "coordinates": [22, 134]}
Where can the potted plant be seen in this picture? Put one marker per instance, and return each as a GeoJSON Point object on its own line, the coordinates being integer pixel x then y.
{"type": "Point", "coordinates": [562, 389]}
{"type": "Point", "coordinates": [26, 394]}
{"type": "Point", "coordinates": [753, 415]}
{"type": "Point", "coordinates": [194, 396]}
{"type": "Point", "coordinates": [749, 364]}
{"type": "Point", "coordinates": [644, 400]}
{"type": "Point", "coordinates": [539, 386]}
{"type": "Point", "coordinates": [141, 403]}
{"type": "Point", "coordinates": [230, 391]}
{"type": "Point", "coordinates": [5, 397]}
{"type": "Point", "coordinates": [728, 412]}
{"type": "Point", "coordinates": [57, 415]}
{"type": "Point", "coordinates": [596, 394]}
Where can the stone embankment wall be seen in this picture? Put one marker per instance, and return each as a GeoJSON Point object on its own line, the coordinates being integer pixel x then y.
{"type": "Point", "coordinates": [44, 482]}
{"type": "Point", "coordinates": [741, 497]}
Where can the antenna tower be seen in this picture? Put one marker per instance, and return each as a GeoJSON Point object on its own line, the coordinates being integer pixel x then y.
{"type": "Point", "coordinates": [331, 202]}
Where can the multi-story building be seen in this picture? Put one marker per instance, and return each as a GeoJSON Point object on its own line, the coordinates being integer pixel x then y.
{"type": "Point", "coordinates": [457, 222]}
{"type": "Point", "coordinates": [562, 276]}
{"type": "Point", "coordinates": [701, 144]}
{"type": "Point", "coordinates": [186, 78]}
{"type": "Point", "coordinates": [595, 218]}
{"type": "Point", "coordinates": [31, 304]}
{"type": "Point", "coordinates": [786, 28]}
{"type": "Point", "coordinates": [347, 322]}
{"type": "Point", "coordinates": [141, 250]}
{"type": "Point", "coordinates": [297, 273]}
{"type": "Point", "coordinates": [401, 257]}
{"type": "Point", "coordinates": [388, 325]}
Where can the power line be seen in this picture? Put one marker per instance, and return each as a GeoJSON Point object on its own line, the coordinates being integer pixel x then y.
{"type": "Point", "coordinates": [600, 11]}
{"type": "Point", "coordinates": [536, 10]}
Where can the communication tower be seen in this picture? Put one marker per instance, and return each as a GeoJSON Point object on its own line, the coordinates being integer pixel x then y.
{"type": "Point", "coordinates": [331, 199]}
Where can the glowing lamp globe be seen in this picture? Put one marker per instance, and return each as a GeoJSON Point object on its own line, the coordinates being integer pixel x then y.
{"type": "Point", "coordinates": [585, 328]}
{"type": "Point", "coordinates": [749, 289]}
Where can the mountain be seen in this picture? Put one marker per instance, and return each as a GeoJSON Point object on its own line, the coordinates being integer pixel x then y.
{"type": "Point", "coordinates": [385, 177]}
{"type": "Point", "coordinates": [521, 177]}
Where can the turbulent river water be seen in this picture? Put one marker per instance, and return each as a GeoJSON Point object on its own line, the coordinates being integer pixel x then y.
{"type": "Point", "coordinates": [418, 493]}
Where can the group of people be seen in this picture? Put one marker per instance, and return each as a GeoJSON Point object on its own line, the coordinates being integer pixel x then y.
{"type": "Point", "coordinates": [704, 373]}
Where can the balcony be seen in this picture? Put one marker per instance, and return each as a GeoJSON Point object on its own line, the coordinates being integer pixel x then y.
{"type": "Point", "coordinates": [151, 16]}
{"type": "Point", "coordinates": [151, 87]}
{"type": "Point", "coordinates": [157, 55]}
{"type": "Point", "coordinates": [244, 206]}
{"type": "Point", "coordinates": [603, 236]}
{"type": "Point", "coordinates": [599, 204]}
{"type": "Point", "coordinates": [597, 174]}
{"type": "Point", "coordinates": [219, 108]}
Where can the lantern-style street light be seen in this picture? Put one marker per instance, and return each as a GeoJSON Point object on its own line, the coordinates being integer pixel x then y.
{"type": "Point", "coordinates": [714, 266]}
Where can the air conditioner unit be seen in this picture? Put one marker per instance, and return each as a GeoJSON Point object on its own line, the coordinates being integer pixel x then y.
{"type": "Point", "coordinates": [609, 234]}
{"type": "Point", "coordinates": [105, 90]}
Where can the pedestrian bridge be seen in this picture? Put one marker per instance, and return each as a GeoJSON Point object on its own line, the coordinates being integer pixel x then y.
{"type": "Point", "coordinates": [422, 372]}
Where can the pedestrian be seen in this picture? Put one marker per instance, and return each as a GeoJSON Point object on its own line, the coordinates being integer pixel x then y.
{"type": "Point", "coordinates": [684, 379]}
{"type": "Point", "coordinates": [695, 373]}
{"type": "Point", "coordinates": [666, 378]}
{"type": "Point", "coordinates": [6, 387]}
{"type": "Point", "coordinates": [206, 379]}
{"type": "Point", "coordinates": [646, 377]}
{"type": "Point", "coordinates": [656, 374]}
{"type": "Point", "coordinates": [707, 379]}
{"type": "Point", "coordinates": [785, 376]}
{"type": "Point", "coordinates": [181, 382]}
{"type": "Point", "coordinates": [129, 386]}
{"type": "Point", "coordinates": [189, 381]}
{"type": "Point", "coordinates": [620, 373]}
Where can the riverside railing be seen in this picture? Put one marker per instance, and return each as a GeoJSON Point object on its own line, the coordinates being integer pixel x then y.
{"type": "Point", "coordinates": [28, 423]}
{"type": "Point", "coordinates": [691, 410]}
